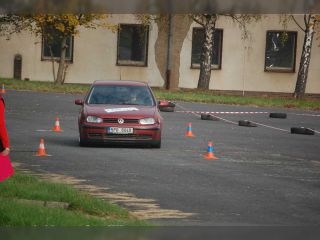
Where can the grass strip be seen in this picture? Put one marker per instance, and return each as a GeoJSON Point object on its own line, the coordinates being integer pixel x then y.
{"type": "Point", "coordinates": [84, 210]}
{"type": "Point", "coordinates": [181, 95]}
{"type": "Point", "coordinates": [210, 97]}
{"type": "Point", "coordinates": [15, 214]}
{"type": "Point", "coordinates": [41, 86]}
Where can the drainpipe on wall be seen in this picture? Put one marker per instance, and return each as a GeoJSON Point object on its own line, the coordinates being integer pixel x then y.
{"type": "Point", "coordinates": [243, 71]}
{"type": "Point", "coordinates": [169, 53]}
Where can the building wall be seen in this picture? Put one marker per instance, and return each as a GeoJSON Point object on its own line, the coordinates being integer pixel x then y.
{"type": "Point", "coordinates": [95, 53]}
{"type": "Point", "coordinates": [243, 60]}
{"type": "Point", "coordinates": [94, 57]}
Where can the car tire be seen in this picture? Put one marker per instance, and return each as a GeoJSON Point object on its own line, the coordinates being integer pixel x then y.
{"type": "Point", "coordinates": [278, 115]}
{"type": "Point", "coordinates": [205, 116]}
{"type": "Point", "coordinates": [302, 130]}
{"type": "Point", "coordinates": [83, 142]}
{"type": "Point", "coordinates": [171, 104]}
{"type": "Point", "coordinates": [166, 109]}
{"type": "Point", "coordinates": [156, 144]}
{"type": "Point", "coordinates": [246, 123]}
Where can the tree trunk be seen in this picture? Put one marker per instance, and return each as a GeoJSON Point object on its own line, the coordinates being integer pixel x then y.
{"type": "Point", "coordinates": [52, 62]}
{"type": "Point", "coordinates": [59, 78]}
{"type": "Point", "coordinates": [65, 73]}
{"type": "Point", "coordinates": [304, 62]}
{"type": "Point", "coordinates": [206, 55]}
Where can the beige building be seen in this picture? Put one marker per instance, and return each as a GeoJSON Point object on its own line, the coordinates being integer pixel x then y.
{"type": "Point", "coordinates": [262, 62]}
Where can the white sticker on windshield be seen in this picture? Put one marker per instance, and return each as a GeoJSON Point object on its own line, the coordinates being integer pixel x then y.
{"type": "Point", "coordinates": [112, 110]}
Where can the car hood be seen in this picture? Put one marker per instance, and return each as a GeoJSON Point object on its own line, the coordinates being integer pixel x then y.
{"type": "Point", "coordinates": [115, 111]}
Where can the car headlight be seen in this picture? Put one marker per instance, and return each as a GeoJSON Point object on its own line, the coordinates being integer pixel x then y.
{"type": "Point", "coordinates": [147, 121]}
{"type": "Point", "coordinates": [93, 119]}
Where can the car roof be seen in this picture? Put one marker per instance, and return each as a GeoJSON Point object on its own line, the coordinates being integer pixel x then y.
{"type": "Point", "coordinates": [118, 83]}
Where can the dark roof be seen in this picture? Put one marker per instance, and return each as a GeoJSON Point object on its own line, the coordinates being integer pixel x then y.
{"type": "Point", "coordinates": [119, 83]}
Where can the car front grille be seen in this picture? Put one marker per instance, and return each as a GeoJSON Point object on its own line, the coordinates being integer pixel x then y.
{"type": "Point", "coordinates": [120, 137]}
{"type": "Point", "coordinates": [115, 120]}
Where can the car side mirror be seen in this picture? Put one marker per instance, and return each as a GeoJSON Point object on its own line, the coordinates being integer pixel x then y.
{"type": "Point", "coordinates": [78, 102]}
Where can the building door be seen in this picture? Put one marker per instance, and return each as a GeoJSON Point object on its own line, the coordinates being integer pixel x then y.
{"type": "Point", "coordinates": [17, 66]}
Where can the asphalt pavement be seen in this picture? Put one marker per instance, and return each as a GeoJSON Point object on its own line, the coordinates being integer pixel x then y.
{"type": "Point", "coordinates": [264, 175]}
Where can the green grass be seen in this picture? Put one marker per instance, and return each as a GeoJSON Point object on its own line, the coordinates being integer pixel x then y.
{"type": "Point", "coordinates": [181, 95]}
{"type": "Point", "coordinates": [84, 210]}
{"type": "Point", "coordinates": [15, 214]}
{"type": "Point", "coordinates": [210, 97]}
{"type": "Point", "coordinates": [40, 86]}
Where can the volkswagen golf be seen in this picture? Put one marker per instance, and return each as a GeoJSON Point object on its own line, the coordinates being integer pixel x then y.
{"type": "Point", "coordinates": [119, 112]}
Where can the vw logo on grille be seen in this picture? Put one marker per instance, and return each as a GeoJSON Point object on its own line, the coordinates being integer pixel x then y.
{"type": "Point", "coordinates": [120, 121]}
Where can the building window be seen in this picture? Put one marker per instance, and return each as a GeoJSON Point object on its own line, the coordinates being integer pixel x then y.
{"type": "Point", "coordinates": [197, 42]}
{"type": "Point", "coordinates": [52, 45]}
{"type": "Point", "coordinates": [132, 45]}
{"type": "Point", "coordinates": [280, 51]}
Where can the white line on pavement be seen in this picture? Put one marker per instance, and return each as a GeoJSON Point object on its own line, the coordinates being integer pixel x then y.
{"type": "Point", "coordinates": [267, 126]}
{"type": "Point", "coordinates": [223, 119]}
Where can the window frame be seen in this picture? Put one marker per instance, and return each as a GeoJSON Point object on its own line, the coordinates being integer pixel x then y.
{"type": "Point", "coordinates": [45, 58]}
{"type": "Point", "coordinates": [278, 69]}
{"type": "Point", "coordinates": [131, 63]}
{"type": "Point", "coordinates": [213, 66]}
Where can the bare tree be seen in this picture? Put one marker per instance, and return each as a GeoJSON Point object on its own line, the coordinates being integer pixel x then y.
{"type": "Point", "coordinates": [308, 27]}
{"type": "Point", "coordinates": [208, 22]}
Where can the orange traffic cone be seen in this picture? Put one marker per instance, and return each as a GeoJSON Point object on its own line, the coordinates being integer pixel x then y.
{"type": "Point", "coordinates": [210, 152]}
{"type": "Point", "coordinates": [189, 131]}
{"type": "Point", "coordinates": [3, 90]}
{"type": "Point", "coordinates": [41, 150]}
{"type": "Point", "coordinates": [56, 127]}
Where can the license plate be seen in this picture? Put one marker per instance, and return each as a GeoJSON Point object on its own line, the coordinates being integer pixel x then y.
{"type": "Point", "coordinates": [117, 130]}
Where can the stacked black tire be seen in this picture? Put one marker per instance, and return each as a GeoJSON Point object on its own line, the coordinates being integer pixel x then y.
{"type": "Point", "coordinates": [167, 108]}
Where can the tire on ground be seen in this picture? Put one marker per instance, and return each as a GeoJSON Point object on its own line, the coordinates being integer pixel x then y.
{"type": "Point", "coordinates": [156, 144]}
{"type": "Point", "coordinates": [205, 116]}
{"type": "Point", "coordinates": [171, 104]}
{"type": "Point", "coordinates": [246, 123]}
{"type": "Point", "coordinates": [278, 115]}
{"type": "Point", "coordinates": [83, 143]}
{"type": "Point", "coordinates": [166, 109]}
{"type": "Point", "coordinates": [302, 130]}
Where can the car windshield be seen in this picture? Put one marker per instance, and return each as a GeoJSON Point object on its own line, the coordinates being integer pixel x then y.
{"type": "Point", "coordinates": [121, 95]}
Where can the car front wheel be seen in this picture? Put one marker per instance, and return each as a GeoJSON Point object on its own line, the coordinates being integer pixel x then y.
{"type": "Point", "coordinates": [156, 144]}
{"type": "Point", "coordinates": [83, 142]}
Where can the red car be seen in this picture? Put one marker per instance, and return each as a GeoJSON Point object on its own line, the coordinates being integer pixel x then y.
{"type": "Point", "coordinates": [119, 112]}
